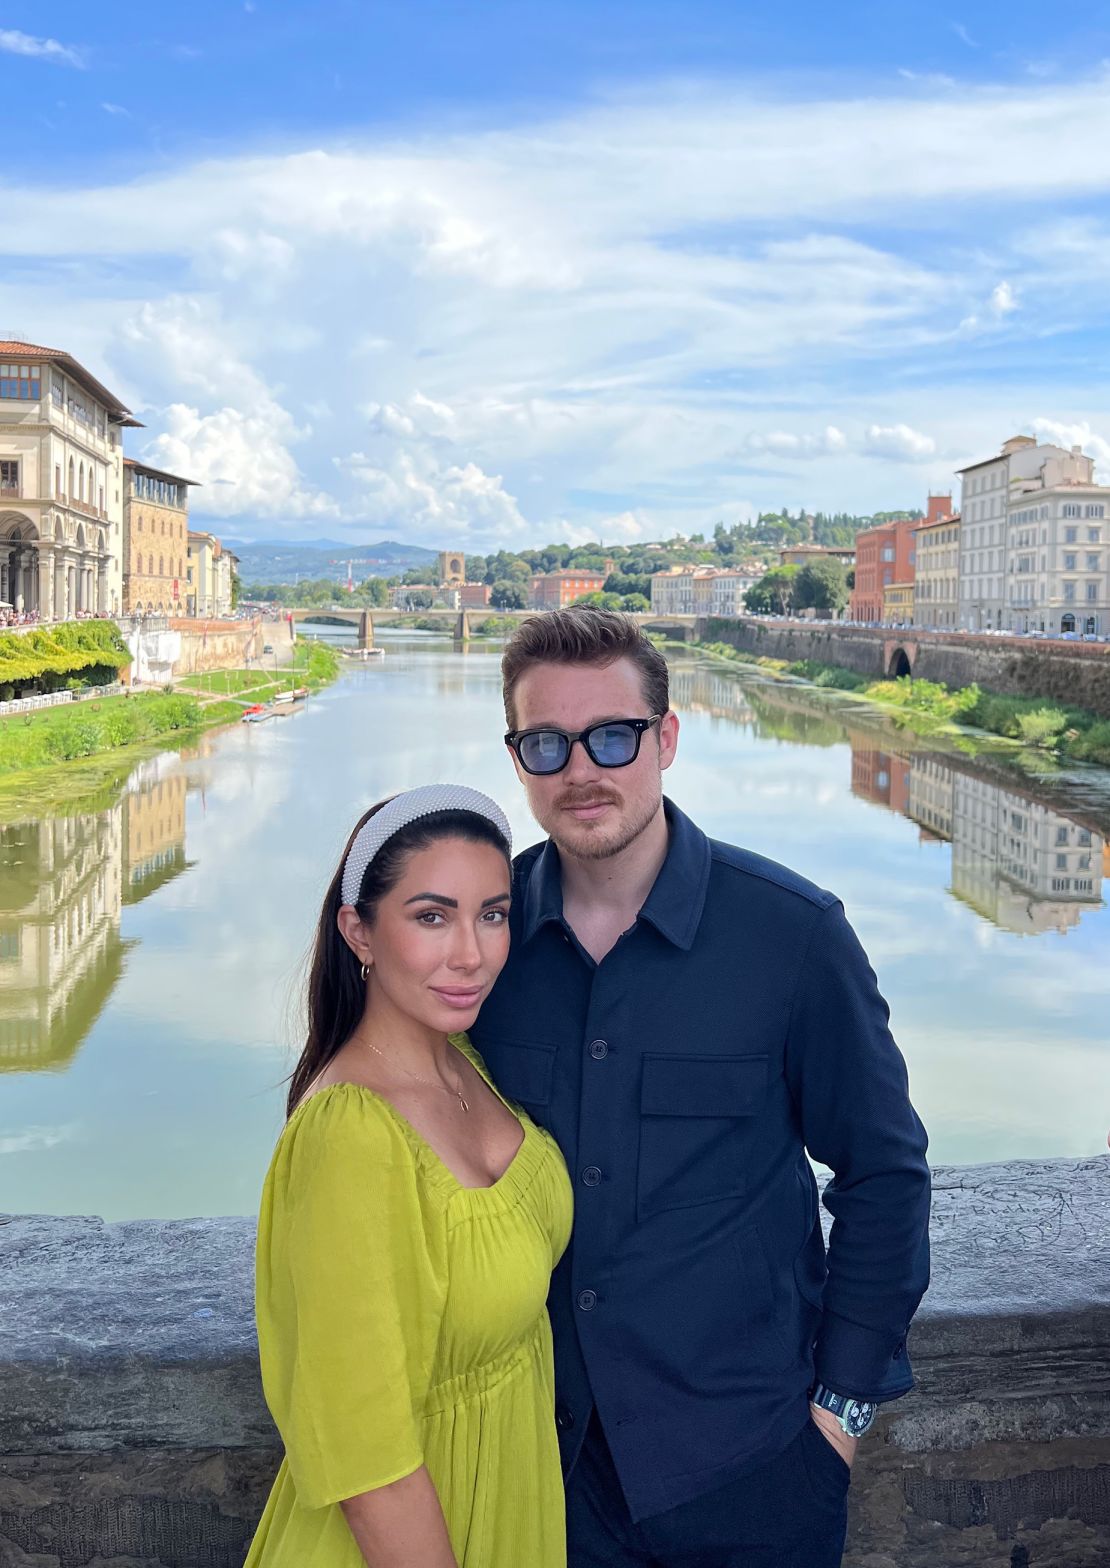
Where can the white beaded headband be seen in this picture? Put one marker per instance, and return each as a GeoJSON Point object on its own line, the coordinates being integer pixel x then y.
{"type": "Point", "coordinates": [406, 808]}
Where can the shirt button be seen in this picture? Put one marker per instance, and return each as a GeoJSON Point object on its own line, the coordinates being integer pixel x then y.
{"type": "Point", "coordinates": [591, 1176]}
{"type": "Point", "coordinates": [599, 1049]}
{"type": "Point", "coordinates": [564, 1417]}
{"type": "Point", "coordinates": [587, 1300]}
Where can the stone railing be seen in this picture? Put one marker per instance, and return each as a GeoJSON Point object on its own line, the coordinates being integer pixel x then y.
{"type": "Point", "coordinates": [133, 1430]}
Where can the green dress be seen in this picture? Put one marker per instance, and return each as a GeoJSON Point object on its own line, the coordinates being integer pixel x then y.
{"type": "Point", "coordinates": [402, 1321]}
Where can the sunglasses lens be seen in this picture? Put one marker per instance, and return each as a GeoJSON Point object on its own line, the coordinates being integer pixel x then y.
{"type": "Point", "coordinates": [543, 751]}
{"type": "Point", "coordinates": [613, 745]}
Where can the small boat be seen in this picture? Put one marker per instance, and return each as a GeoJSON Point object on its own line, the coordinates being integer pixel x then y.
{"type": "Point", "coordinates": [297, 695]}
{"type": "Point", "coordinates": [364, 653]}
{"type": "Point", "coordinates": [256, 713]}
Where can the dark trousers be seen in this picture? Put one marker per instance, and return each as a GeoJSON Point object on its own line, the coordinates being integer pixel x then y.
{"type": "Point", "coordinates": [790, 1513]}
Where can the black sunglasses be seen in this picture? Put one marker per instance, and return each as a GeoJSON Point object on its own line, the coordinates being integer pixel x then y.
{"type": "Point", "coordinates": [613, 744]}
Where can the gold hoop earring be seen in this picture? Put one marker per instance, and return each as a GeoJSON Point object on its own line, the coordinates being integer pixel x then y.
{"type": "Point", "coordinates": [364, 971]}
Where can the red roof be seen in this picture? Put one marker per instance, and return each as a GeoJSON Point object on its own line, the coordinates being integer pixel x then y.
{"type": "Point", "coordinates": [118, 412]}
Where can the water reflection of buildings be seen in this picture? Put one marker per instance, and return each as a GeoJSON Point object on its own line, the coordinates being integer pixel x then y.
{"type": "Point", "coordinates": [701, 689]}
{"type": "Point", "coordinates": [63, 883]}
{"type": "Point", "coordinates": [1017, 861]}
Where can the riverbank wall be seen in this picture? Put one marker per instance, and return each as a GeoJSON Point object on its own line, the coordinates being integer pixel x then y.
{"type": "Point", "coordinates": [1076, 673]}
{"type": "Point", "coordinates": [165, 650]}
{"type": "Point", "coordinates": [133, 1430]}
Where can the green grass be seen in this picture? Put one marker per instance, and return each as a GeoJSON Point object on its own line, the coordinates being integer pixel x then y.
{"type": "Point", "coordinates": [64, 734]}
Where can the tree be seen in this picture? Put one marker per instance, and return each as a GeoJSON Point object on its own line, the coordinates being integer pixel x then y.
{"type": "Point", "coordinates": [636, 603]}
{"type": "Point", "coordinates": [773, 594]}
{"type": "Point", "coordinates": [508, 595]}
{"type": "Point", "coordinates": [373, 593]}
{"type": "Point", "coordinates": [626, 583]}
{"type": "Point", "coordinates": [601, 601]}
{"type": "Point", "coordinates": [821, 585]}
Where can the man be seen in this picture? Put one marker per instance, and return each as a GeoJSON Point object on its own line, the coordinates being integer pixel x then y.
{"type": "Point", "coordinates": [688, 1019]}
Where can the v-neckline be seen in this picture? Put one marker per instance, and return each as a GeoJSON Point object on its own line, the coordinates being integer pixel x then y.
{"type": "Point", "coordinates": [419, 1138]}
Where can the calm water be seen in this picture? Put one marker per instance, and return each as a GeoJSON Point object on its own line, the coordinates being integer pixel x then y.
{"type": "Point", "coordinates": [149, 946]}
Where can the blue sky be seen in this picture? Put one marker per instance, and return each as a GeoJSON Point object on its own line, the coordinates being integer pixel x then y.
{"type": "Point", "coordinates": [505, 273]}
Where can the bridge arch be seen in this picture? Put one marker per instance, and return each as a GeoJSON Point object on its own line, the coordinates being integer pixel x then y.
{"type": "Point", "coordinates": [898, 664]}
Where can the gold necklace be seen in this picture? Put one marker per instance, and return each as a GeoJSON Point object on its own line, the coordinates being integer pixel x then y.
{"type": "Point", "coordinates": [431, 1082]}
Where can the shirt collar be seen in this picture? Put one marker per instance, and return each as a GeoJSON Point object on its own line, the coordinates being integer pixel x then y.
{"type": "Point", "coordinates": [674, 905]}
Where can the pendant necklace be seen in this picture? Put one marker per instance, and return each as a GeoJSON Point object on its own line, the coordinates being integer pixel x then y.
{"type": "Point", "coordinates": [431, 1082]}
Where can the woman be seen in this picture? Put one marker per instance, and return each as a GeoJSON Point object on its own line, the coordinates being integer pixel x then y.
{"type": "Point", "coordinates": [410, 1221]}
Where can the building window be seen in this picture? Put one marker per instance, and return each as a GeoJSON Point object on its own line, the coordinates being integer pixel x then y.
{"type": "Point", "coordinates": [1069, 563]}
{"type": "Point", "coordinates": [1061, 862]}
{"type": "Point", "coordinates": [1094, 535]}
{"type": "Point", "coordinates": [1071, 535]}
{"type": "Point", "coordinates": [1096, 510]}
{"type": "Point", "coordinates": [57, 479]}
{"type": "Point", "coordinates": [1069, 597]}
{"type": "Point", "coordinates": [57, 390]}
{"type": "Point", "coordinates": [1092, 563]}
{"type": "Point", "coordinates": [21, 382]}
{"type": "Point", "coordinates": [9, 477]}
{"type": "Point", "coordinates": [1092, 593]}
{"type": "Point", "coordinates": [1070, 509]}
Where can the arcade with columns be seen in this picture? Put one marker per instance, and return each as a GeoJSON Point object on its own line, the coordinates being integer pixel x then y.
{"type": "Point", "coordinates": [58, 577]}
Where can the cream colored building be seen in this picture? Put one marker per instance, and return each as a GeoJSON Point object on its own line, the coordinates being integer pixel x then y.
{"type": "Point", "coordinates": [937, 573]}
{"type": "Point", "coordinates": [1018, 862]}
{"type": "Point", "coordinates": [700, 590]}
{"type": "Point", "coordinates": [997, 504]}
{"type": "Point", "coordinates": [60, 948]}
{"type": "Point", "coordinates": [61, 486]}
{"type": "Point", "coordinates": [155, 540]}
{"type": "Point", "coordinates": [209, 570]}
{"type": "Point", "coordinates": [1058, 568]}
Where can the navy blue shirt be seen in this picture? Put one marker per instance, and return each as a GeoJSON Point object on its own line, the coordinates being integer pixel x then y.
{"type": "Point", "coordinates": [735, 1026]}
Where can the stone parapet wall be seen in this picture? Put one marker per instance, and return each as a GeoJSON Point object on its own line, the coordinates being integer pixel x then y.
{"type": "Point", "coordinates": [133, 1432]}
{"type": "Point", "coordinates": [217, 645]}
{"type": "Point", "coordinates": [1077, 673]}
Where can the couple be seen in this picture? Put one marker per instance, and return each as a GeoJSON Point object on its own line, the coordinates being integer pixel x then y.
{"type": "Point", "coordinates": [672, 1025]}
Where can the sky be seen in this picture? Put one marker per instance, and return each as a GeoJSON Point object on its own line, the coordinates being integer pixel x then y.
{"type": "Point", "coordinates": [494, 275]}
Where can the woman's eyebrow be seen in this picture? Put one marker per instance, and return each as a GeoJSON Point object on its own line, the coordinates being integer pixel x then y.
{"type": "Point", "coordinates": [502, 898]}
{"type": "Point", "coordinates": [433, 898]}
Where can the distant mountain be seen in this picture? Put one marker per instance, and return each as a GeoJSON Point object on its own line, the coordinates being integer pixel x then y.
{"type": "Point", "coordinates": [287, 560]}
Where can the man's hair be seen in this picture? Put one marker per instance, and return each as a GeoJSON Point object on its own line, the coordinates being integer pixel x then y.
{"type": "Point", "coordinates": [583, 635]}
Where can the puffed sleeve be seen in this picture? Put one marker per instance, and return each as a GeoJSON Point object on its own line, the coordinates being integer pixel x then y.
{"type": "Point", "coordinates": [343, 1286]}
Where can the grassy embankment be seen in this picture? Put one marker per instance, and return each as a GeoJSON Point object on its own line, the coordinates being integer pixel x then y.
{"type": "Point", "coordinates": [70, 734]}
{"type": "Point", "coordinates": [927, 707]}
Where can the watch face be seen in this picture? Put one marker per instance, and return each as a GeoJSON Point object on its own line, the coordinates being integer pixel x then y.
{"type": "Point", "coordinates": [858, 1416]}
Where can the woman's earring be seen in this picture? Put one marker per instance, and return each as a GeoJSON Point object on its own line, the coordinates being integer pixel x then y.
{"type": "Point", "coordinates": [364, 971]}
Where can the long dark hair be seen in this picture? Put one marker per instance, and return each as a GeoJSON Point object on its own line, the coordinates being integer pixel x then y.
{"type": "Point", "coordinates": [336, 990]}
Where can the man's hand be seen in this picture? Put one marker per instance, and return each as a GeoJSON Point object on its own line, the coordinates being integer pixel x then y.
{"type": "Point", "coordinates": [831, 1428]}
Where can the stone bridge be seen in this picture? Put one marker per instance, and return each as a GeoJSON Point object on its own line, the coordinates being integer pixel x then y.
{"type": "Point", "coordinates": [1067, 672]}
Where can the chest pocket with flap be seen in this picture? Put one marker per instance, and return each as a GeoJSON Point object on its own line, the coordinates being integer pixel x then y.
{"type": "Point", "coordinates": [691, 1143]}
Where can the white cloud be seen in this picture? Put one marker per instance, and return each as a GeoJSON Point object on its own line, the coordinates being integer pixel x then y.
{"type": "Point", "coordinates": [899, 442]}
{"type": "Point", "coordinates": [1002, 299]}
{"type": "Point", "coordinates": [116, 109]}
{"type": "Point", "coordinates": [415, 477]}
{"type": "Point", "coordinates": [241, 459]}
{"type": "Point", "coordinates": [48, 49]}
{"type": "Point", "coordinates": [33, 1139]}
{"type": "Point", "coordinates": [785, 443]}
{"type": "Point", "coordinates": [629, 314]}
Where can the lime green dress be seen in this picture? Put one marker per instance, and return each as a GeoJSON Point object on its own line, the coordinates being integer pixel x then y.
{"type": "Point", "coordinates": [402, 1321]}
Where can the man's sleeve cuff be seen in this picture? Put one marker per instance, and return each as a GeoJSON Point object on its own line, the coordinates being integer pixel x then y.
{"type": "Point", "coordinates": [862, 1362]}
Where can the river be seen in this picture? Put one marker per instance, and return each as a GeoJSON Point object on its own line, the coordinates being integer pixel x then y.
{"type": "Point", "coordinates": [151, 942]}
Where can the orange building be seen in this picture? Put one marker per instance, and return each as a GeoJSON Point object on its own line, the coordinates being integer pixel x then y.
{"type": "Point", "coordinates": [886, 555]}
{"type": "Point", "coordinates": [555, 590]}
{"type": "Point", "coordinates": [155, 539]}
{"type": "Point", "coordinates": [473, 596]}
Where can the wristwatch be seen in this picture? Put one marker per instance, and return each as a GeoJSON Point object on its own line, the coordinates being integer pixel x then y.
{"type": "Point", "coordinates": [856, 1416]}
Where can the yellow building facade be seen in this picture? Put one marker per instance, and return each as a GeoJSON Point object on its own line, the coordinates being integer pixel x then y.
{"type": "Point", "coordinates": [156, 541]}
